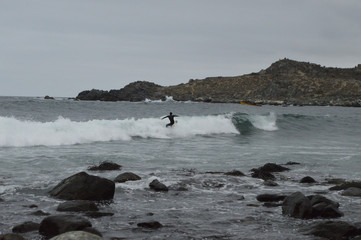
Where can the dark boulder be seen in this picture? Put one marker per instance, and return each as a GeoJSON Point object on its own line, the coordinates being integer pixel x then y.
{"type": "Point", "coordinates": [297, 205]}
{"type": "Point", "coordinates": [55, 225]}
{"type": "Point", "coordinates": [11, 236]}
{"type": "Point", "coordinates": [78, 206]}
{"type": "Point", "coordinates": [82, 186]}
{"type": "Point", "coordinates": [270, 198]}
{"type": "Point", "coordinates": [48, 98]}
{"type": "Point", "coordinates": [105, 166]}
{"type": "Point", "coordinates": [158, 186]}
{"type": "Point", "coordinates": [272, 167]}
{"type": "Point", "coordinates": [151, 225]}
{"type": "Point", "coordinates": [26, 227]}
{"type": "Point", "coordinates": [127, 176]}
{"type": "Point", "coordinates": [324, 208]}
{"type": "Point", "coordinates": [334, 230]}
{"type": "Point", "coordinates": [292, 163]}
{"type": "Point", "coordinates": [345, 185]}
{"type": "Point", "coordinates": [98, 214]}
{"type": "Point", "coordinates": [40, 213]}
{"type": "Point", "coordinates": [352, 192]}
{"type": "Point", "coordinates": [263, 175]}
{"type": "Point", "coordinates": [307, 179]}
{"type": "Point", "coordinates": [77, 235]}
{"type": "Point", "coordinates": [270, 183]}
{"type": "Point", "coordinates": [235, 173]}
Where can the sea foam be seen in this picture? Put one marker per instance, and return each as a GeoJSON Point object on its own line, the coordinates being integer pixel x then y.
{"type": "Point", "coordinates": [63, 131]}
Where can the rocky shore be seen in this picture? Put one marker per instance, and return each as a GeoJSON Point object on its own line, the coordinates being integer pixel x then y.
{"type": "Point", "coordinates": [285, 82]}
{"type": "Point", "coordinates": [82, 194]}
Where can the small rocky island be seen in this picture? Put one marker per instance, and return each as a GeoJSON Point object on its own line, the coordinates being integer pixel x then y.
{"type": "Point", "coordinates": [285, 82]}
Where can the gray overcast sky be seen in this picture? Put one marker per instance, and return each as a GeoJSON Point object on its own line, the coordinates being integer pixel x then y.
{"type": "Point", "coordinates": [61, 47]}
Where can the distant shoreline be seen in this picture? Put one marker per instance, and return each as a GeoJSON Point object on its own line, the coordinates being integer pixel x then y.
{"type": "Point", "coordinates": [286, 82]}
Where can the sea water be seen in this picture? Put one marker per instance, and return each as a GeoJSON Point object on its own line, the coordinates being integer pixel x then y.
{"type": "Point", "coordinates": [45, 141]}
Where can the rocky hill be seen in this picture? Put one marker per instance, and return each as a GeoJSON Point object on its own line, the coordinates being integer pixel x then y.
{"type": "Point", "coordinates": [285, 82]}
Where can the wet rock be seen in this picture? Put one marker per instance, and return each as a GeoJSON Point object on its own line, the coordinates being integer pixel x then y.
{"type": "Point", "coordinates": [105, 166]}
{"type": "Point", "coordinates": [270, 183]}
{"type": "Point", "coordinates": [272, 204]}
{"type": "Point", "coordinates": [82, 186]}
{"type": "Point", "coordinates": [158, 186]}
{"type": "Point", "coordinates": [315, 199]}
{"type": "Point", "coordinates": [307, 179]}
{"type": "Point", "coordinates": [263, 175]}
{"type": "Point", "coordinates": [335, 230]}
{"type": "Point", "coordinates": [11, 236]}
{"type": "Point", "coordinates": [345, 185]}
{"type": "Point", "coordinates": [77, 206]}
{"type": "Point", "coordinates": [26, 227]}
{"type": "Point", "coordinates": [127, 176]}
{"type": "Point", "coordinates": [336, 181]}
{"type": "Point", "coordinates": [325, 210]}
{"type": "Point", "coordinates": [297, 205]}
{"type": "Point", "coordinates": [323, 207]}
{"type": "Point", "coordinates": [151, 225]}
{"type": "Point", "coordinates": [292, 163]}
{"type": "Point", "coordinates": [235, 173]}
{"type": "Point", "coordinates": [98, 214]}
{"type": "Point", "coordinates": [272, 167]}
{"type": "Point", "coordinates": [40, 213]}
{"type": "Point", "coordinates": [270, 198]}
{"type": "Point", "coordinates": [77, 235]}
{"type": "Point", "coordinates": [352, 192]}
{"type": "Point", "coordinates": [48, 98]}
{"type": "Point", "coordinates": [55, 225]}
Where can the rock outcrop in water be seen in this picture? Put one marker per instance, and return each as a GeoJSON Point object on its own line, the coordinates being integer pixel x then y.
{"type": "Point", "coordinates": [285, 82]}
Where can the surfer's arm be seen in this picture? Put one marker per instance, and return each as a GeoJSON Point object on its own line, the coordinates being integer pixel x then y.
{"type": "Point", "coordinates": [164, 117]}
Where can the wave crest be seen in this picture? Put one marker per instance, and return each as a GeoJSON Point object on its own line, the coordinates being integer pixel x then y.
{"type": "Point", "coordinates": [63, 131]}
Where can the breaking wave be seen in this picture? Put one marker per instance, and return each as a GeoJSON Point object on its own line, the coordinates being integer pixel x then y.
{"type": "Point", "coordinates": [63, 131]}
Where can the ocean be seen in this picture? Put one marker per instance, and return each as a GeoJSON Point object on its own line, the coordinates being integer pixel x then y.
{"type": "Point", "coordinates": [45, 141]}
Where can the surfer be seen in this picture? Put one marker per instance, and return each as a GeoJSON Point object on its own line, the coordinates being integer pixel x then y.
{"type": "Point", "coordinates": [171, 119]}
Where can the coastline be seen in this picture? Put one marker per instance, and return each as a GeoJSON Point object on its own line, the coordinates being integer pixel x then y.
{"type": "Point", "coordinates": [286, 82]}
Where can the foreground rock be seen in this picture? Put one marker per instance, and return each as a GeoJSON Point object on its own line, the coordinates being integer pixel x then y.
{"type": "Point", "coordinates": [11, 236]}
{"type": "Point", "coordinates": [352, 192]}
{"type": "Point", "coordinates": [78, 206]}
{"type": "Point", "coordinates": [127, 176]}
{"type": "Point", "coordinates": [299, 206]}
{"type": "Point", "coordinates": [26, 227]}
{"type": "Point", "coordinates": [272, 167]}
{"type": "Point", "coordinates": [55, 225]}
{"type": "Point", "coordinates": [235, 173]}
{"type": "Point", "coordinates": [151, 225]}
{"type": "Point", "coordinates": [345, 185]}
{"type": "Point", "coordinates": [335, 230]}
{"type": "Point", "coordinates": [82, 186]}
{"type": "Point", "coordinates": [270, 198]}
{"type": "Point", "coordinates": [77, 235]}
{"type": "Point", "coordinates": [158, 186]}
{"type": "Point", "coordinates": [307, 179]}
{"type": "Point", "coordinates": [106, 166]}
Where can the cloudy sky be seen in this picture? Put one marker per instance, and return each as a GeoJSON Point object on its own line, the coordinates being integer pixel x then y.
{"type": "Point", "coordinates": [61, 47]}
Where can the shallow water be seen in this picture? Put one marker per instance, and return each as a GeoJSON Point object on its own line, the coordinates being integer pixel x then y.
{"type": "Point", "coordinates": [43, 142]}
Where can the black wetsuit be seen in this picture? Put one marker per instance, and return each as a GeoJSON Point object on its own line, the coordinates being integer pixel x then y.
{"type": "Point", "coordinates": [171, 119]}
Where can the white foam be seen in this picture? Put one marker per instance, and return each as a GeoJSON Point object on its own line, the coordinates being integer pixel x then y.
{"type": "Point", "coordinates": [63, 131]}
{"type": "Point", "coordinates": [264, 122]}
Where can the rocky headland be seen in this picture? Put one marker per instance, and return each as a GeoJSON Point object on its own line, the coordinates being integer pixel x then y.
{"type": "Point", "coordinates": [285, 82]}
